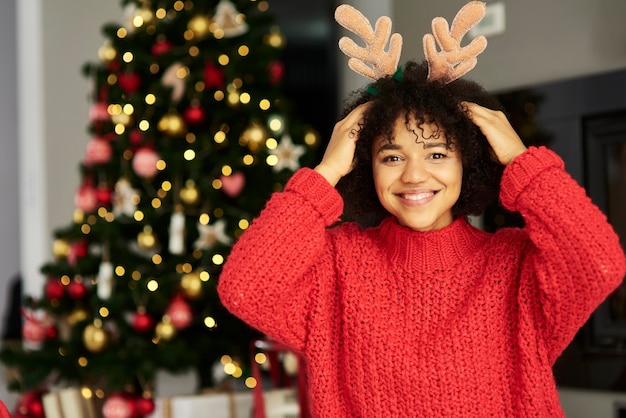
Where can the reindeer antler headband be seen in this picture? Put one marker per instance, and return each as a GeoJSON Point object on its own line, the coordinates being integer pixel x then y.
{"type": "Point", "coordinates": [376, 61]}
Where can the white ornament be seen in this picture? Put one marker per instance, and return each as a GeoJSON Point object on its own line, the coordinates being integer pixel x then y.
{"type": "Point", "coordinates": [172, 78]}
{"type": "Point", "coordinates": [125, 198]}
{"type": "Point", "coordinates": [211, 234]}
{"type": "Point", "coordinates": [287, 154]}
{"type": "Point", "coordinates": [229, 20]}
{"type": "Point", "coordinates": [177, 233]}
{"type": "Point", "coordinates": [105, 280]}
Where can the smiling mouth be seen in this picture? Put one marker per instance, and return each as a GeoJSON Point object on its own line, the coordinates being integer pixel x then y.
{"type": "Point", "coordinates": [416, 196]}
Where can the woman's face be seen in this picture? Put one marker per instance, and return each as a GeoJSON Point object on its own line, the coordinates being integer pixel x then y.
{"type": "Point", "coordinates": [417, 179]}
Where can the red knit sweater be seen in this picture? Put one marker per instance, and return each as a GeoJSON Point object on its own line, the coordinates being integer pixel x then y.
{"type": "Point", "coordinates": [449, 323]}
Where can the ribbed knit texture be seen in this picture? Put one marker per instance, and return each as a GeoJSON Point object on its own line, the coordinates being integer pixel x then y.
{"type": "Point", "coordinates": [449, 323]}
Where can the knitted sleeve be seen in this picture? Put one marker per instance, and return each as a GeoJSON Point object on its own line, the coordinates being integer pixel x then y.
{"type": "Point", "coordinates": [576, 259]}
{"type": "Point", "coordinates": [269, 275]}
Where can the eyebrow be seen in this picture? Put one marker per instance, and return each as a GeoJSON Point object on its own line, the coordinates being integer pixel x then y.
{"type": "Point", "coordinates": [427, 145]}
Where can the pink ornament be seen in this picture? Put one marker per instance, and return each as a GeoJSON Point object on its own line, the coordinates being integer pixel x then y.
{"type": "Point", "coordinates": [98, 112]}
{"type": "Point", "coordinates": [86, 198]}
{"type": "Point", "coordinates": [34, 329]}
{"type": "Point", "coordinates": [118, 406]}
{"type": "Point", "coordinates": [129, 82]}
{"type": "Point", "coordinates": [233, 184]}
{"type": "Point", "coordinates": [145, 162]}
{"type": "Point", "coordinates": [98, 151]}
{"type": "Point", "coordinates": [180, 313]}
{"type": "Point", "coordinates": [33, 332]}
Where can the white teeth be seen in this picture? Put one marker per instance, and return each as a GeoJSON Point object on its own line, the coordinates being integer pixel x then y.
{"type": "Point", "coordinates": [419, 196]}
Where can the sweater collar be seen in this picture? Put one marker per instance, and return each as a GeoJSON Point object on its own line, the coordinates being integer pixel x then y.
{"type": "Point", "coordinates": [441, 249]}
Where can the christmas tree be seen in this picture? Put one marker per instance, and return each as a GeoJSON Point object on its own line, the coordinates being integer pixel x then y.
{"type": "Point", "coordinates": [190, 134]}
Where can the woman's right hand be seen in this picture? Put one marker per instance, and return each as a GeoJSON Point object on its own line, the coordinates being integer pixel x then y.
{"type": "Point", "coordinates": [339, 155]}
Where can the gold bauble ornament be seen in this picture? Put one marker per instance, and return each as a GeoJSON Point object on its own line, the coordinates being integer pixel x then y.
{"type": "Point", "coordinates": [190, 194]}
{"type": "Point", "coordinates": [191, 283]}
{"type": "Point", "coordinates": [254, 136]}
{"type": "Point", "coordinates": [199, 25]}
{"type": "Point", "coordinates": [107, 53]}
{"type": "Point", "coordinates": [165, 330]}
{"type": "Point", "coordinates": [95, 338]}
{"type": "Point", "coordinates": [172, 124]}
{"type": "Point", "coordinates": [146, 239]}
{"type": "Point", "coordinates": [60, 248]}
{"type": "Point", "coordinates": [76, 316]}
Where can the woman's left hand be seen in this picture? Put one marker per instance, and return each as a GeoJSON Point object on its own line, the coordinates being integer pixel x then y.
{"type": "Point", "coordinates": [494, 124]}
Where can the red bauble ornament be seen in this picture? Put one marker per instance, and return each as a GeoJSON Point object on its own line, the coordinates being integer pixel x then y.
{"type": "Point", "coordinates": [276, 70]}
{"type": "Point", "coordinates": [129, 82]}
{"type": "Point", "coordinates": [86, 198]}
{"type": "Point", "coordinates": [98, 151]}
{"type": "Point", "coordinates": [52, 333]}
{"type": "Point", "coordinates": [144, 406]}
{"type": "Point", "coordinates": [142, 322]}
{"type": "Point", "coordinates": [77, 290]}
{"type": "Point", "coordinates": [213, 76]}
{"type": "Point", "coordinates": [180, 313]}
{"type": "Point", "coordinates": [104, 194]}
{"type": "Point", "coordinates": [78, 250]}
{"type": "Point", "coordinates": [118, 406]}
{"type": "Point", "coordinates": [30, 405]}
{"type": "Point", "coordinates": [145, 162]}
{"type": "Point", "coordinates": [135, 137]}
{"type": "Point", "coordinates": [161, 47]}
{"type": "Point", "coordinates": [54, 288]}
{"type": "Point", "coordinates": [194, 115]}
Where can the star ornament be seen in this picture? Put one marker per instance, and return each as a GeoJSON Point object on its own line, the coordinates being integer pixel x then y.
{"type": "Point", "coordinates": [287, 154]}
{"type": "Point", "coordinates": [212, 234]}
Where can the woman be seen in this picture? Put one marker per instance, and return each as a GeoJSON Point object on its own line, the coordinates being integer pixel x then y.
{"type": "Point", "coordinates": [409, 310]}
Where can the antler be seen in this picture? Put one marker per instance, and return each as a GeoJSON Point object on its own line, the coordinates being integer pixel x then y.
{"type": "Point", "coordinates": [381, 63]}
{"type": "Point", "coordinates": [454, 61]}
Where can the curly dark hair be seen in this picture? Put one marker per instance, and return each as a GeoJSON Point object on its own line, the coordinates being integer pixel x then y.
{"type": "Point", "coordinates": [409, 95]}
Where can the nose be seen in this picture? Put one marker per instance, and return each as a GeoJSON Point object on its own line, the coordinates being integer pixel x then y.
{"type": "Point", "coordinates": [414, 171]}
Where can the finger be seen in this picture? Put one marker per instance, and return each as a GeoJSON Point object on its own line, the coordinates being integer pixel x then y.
{"type": "Point", "coordinates": [355, 117]}
{"type": "Point", "coordinates": [478, 113]}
